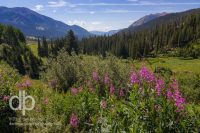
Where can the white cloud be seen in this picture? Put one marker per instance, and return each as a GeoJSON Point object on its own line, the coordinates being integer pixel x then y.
{"type": "Point", "coordinates": [95, 23]}
{"type": "Point", "coordinates": [81, 23]}
{"type": "Point", "coordinates": [54, 11]}
{"type": "Point", "coordinates": [139, 3]}
{"type": "Point", "coordinates": [90, 26]}
{"type": "Point", "coordinates": [123, 11]}
{"type": "Point", "coordinates": [92, 12]}
{"type": "Point", "coordinates": [60, 3]}
{"type": "Point", "coordinates": [38, 8]}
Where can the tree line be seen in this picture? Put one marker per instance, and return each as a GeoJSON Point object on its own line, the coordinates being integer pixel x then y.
{"type": "Point", "coordinates": [156, 37]}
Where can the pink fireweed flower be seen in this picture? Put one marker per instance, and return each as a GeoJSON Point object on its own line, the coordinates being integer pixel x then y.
{"type": "Point", "coordinates": [174, 94]}
{"type": "Point", "coordinates": [74, 91]}
{"type": "Point", "coordinates": [20, 86]}
{"type": "Point", "coordinates": [74, 121]}
{"type": "Point", "coordinates": [91, 89]}
{"type": "Point", "coordinates": [53, 83]}
{"type": "Point", "coordinates": [6, 98]}
{"type": "Point", "coordinates": [95, 76]}
{"type": "Point", "coordinates": [160, 84]}
{"type": "Point", "coordinates": [169, 94]}
{"type": "Point", "coordinates": [179, 100]}
{"type": "Point", "coordinates": [134, 78]}
{"type": "Point", "coordinates": [146, 74]}
{"type": "Point", "coordinates": [27, 83]}
{"type": "Point", "coordinates": [121, 93]}
{"type": "Point", "coordinates": [80, 89]}
{"type": "Point", "coordinates": [112, 90]}
{"type": "Point", "coordinates": [106, 79]}
{"type": "Point", "coordinates": [46, 101]}
{"type": "Point", "coordinates": [103, 104]}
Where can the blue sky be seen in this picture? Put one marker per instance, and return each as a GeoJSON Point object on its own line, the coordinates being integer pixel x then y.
{"type": "Point", "coordinates": [101, 15]}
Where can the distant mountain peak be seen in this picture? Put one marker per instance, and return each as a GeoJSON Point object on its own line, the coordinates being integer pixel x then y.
{"type": "Point", "coordinates": [147, 18]}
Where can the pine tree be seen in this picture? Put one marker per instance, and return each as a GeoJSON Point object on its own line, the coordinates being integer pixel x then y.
{"type": "Point", "coordinates": [39, 48]}
{"type": "Point", "coordinates": [71, 42]}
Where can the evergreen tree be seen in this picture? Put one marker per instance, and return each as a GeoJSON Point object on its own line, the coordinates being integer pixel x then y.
{"type": "Point", "coordinates": [71, 42]}
{"type": "Point", "coordinates": [39, 47]}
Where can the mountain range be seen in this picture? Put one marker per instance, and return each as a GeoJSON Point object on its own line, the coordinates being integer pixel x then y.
{"type": "Point", "coordinates": [35, 24]}
{"type": "Point", "coordinates": [101, 33]}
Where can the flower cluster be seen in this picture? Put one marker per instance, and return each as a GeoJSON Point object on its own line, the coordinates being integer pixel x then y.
{"type": "Point", "coordinates": [6, 98]}
{"type": "Point", "coordinates": [160, 84]}
{"type": "Point", "coordinates": [146, 74]}
{"type": "Point", "coordinates": [53, 83]}
{"type": "Point", "coordinates": [95, 76]}
{"type": "Point", "coordinates": [103, 104]}
{"type": "Point", "coordinates": [74, 121]}
{"type": "Point", "coordinates": [175, 95]}
{"type": "Point", "coordinates": [26, 84]}
{"type": "Point", "coordinates": [106, 79]}
{"type": "Point", "coordinates": [112, 90]}
{"type": "Point", "coordinates": [134, 78]}
{"type": "Point", "coordinates": [74, 91]}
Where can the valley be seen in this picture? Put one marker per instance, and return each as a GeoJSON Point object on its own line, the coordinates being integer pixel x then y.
{"type": "Point", "coordinates": [143, 78]}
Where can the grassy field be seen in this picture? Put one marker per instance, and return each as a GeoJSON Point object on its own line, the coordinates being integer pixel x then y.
{"type": "Point", "coordinates": [34, 47]}
{"type": "Point", "coordinates": [176, 64]}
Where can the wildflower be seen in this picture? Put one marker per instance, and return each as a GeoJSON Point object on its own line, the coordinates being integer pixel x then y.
{"type": "Point", "coordinates": [112, 90]}
{"type": "Point", "coordinates": [6, 98]}
{"type": "Point", "coordinates": [103, 104]}
{"type": "Point", "coordinates": [159, 85]}
{"type": "Point", "coordinates": [179, 100]}
{"type": "Point", "coordinates": [46, 101]}
{"type": "Point", "coordinates": [80, 89]}
{"type": "Point", "coordinates": [20, 86]}
{"type": "Point", "coordinates": [91, 89]}
{"type": "Point", "coordinates": [53, 83]}
{"type": "Point", "coordinates": [27, 83]}
{"type": "Point", "coordinates": [121, 93]}
{"type": "Point", "coordinates": [174, 94]}
{"type": "Point", "coordinates": [169, 94]}
{"type": "Point", "coordinates": [106, 79]}
{"type": "Point", "coordinates": [146, 74]}
{"type": "Point", "coordinates": [74, 121]}
{"type": "Point", "coordinates": [134, 78]}
{"type": "Point", "coordinates": [95, 76]}
{"type": "Point", "coordinates": [74, 91]}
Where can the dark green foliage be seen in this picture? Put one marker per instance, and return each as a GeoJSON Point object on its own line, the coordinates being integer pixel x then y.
{"type": "Point", "coordinates": [159, 36]}
{"type": "Point", "coordinates": [43, 49]}
{"type": "Point", "coordinates": [71, 42]}
{"type": "Point", "coordinates": [14, 51]}
{"type": "Point", "coordinates": [68, 43]}
{"type": "Point", "coordinates": [193, 50]}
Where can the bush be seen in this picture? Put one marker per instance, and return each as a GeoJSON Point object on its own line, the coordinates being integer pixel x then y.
{"type": "Point", "coordinates": [8, 79]}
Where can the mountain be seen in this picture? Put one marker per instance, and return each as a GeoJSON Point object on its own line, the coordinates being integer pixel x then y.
{"type": "Point", "coordinates": [163, 35]}
{"type": "Point", "coordinates": [147, 18]}
{"type": "Point", "coordinates": [101, 33]}
{"type": "Point", "coordinates": [35, 24]}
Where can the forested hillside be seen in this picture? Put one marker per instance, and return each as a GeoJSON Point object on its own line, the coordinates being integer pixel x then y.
{"type": "Point", "coordinates": [161, 35]}
{"type": "Point", "coordinates": [14, 51]}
